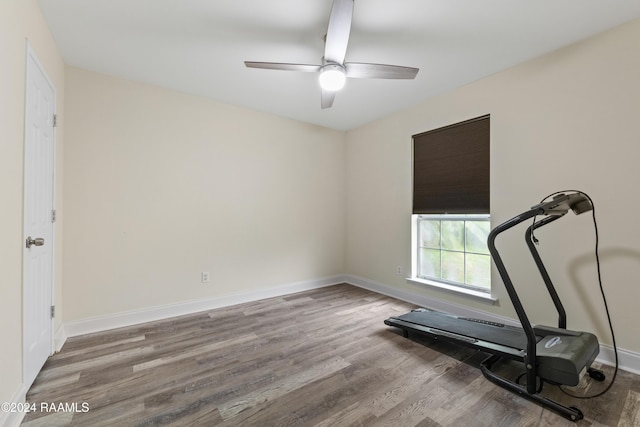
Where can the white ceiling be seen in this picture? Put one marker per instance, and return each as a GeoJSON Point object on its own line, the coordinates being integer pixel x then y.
{"type": "Point", "coordinates": [198, 46]}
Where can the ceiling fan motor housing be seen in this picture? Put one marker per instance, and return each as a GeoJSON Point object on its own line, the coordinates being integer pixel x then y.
{"type": "Point", "coordinates": [332, 77]}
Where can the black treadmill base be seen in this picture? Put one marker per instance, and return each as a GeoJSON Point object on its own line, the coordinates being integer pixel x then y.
{"type": "Point", "coordinates": [571, 413]}
{"type": "Point", "coordinates": [494, 339]}
{"type": "Point", "coordinates": [498, 352]}
{"type": "Point", "coordinates": [473, 329]}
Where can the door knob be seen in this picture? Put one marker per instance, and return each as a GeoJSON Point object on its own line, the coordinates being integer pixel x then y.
{"type": "Point", "coordinates": [38, 241]}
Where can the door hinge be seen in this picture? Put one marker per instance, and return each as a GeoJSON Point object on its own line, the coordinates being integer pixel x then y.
{"type": "Point", "coordinates": [53, 215]}
{"type": "Point", "coordinates": [55, 120]}
{"type": "Point", "coordinates": [53, 311]}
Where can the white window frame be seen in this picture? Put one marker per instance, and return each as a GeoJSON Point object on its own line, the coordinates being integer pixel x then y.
{"type": "Point", "coordinates": [450, 287]}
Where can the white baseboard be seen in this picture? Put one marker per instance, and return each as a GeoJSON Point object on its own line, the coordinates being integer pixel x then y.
{"type": "Point", "coordinates": [129, 318]}
{"type": "Point", "coordinates": [428, 302]}
{"type": "Point", "coordinates": [627, 360]}
{"type": "Point", "coordinates": [12, 418]}
{"type": "Point", "coordinates": [59, 339]}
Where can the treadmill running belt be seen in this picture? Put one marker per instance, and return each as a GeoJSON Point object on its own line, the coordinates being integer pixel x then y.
{"type": "Point", "coordinates": [496, 333]}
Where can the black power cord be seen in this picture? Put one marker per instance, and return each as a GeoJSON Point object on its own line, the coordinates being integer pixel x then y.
{"type": "Point", "coordinates": [604, 298]}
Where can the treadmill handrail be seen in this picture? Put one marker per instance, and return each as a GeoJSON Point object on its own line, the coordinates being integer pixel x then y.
{"type": "Point", "coordinates": [562, 314]}
{"type": "Point", "coordinates": [530, 357]}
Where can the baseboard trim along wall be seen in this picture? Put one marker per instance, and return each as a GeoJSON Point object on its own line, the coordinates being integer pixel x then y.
{"type": "Point", "coordinates": [427, 302]}
{"type": "Point", "coordinates": [14, 416]}
{"type": "Point", "coordinates": [59, 338]}
{"type": "Point", "coordinates": [627, 360]}
{"type": "Point", "coordinates": [129, 318]}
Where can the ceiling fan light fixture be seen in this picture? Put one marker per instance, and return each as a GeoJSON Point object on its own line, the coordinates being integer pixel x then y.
{"type": "Point", "coordinates": [332, 77]}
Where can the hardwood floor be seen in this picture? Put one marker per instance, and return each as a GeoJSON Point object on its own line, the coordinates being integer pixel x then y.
{"type": "Point", "coordinates": [316, 358]}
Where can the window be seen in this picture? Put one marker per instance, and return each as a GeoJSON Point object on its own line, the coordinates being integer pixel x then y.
{"type": "Point", "coordinates": [453, 249]}
{"type": "Point", "coordinates": [451, 207]}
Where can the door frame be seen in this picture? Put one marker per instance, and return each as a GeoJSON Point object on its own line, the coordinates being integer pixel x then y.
{"type": "Point", "coordinates": [31, 59]}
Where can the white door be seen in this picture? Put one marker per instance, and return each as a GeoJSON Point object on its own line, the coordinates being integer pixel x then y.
{"type": "Point", "coordinates": [39, 163]}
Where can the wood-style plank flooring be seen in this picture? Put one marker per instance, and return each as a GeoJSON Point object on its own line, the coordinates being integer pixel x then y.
{"type": "Point", "coordinates": [317, 358]}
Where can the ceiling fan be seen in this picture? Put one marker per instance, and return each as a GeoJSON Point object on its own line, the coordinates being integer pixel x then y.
{"type": "Point", "coordinates": [334, 71]}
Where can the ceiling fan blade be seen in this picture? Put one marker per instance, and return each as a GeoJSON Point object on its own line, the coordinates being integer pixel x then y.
{"type": "Point", "coordinates": [283, 66]}
{"type": "Point", "coordinates": [327, 98]}
{"type": "Point", "coordinates": [379, 71]}
{"type": "Point", "coordinates": [337, 39]}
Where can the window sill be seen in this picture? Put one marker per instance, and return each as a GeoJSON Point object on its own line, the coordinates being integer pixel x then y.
{"type": "Point", "coordinates": [455, 290]}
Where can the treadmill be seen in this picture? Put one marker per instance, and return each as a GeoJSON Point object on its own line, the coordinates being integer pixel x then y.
{"type": "Point", "coordinates": [552, 354]}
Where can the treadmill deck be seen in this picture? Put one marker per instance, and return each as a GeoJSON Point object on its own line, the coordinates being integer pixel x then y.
{"type": "Point", "coordinates": [493, 337]}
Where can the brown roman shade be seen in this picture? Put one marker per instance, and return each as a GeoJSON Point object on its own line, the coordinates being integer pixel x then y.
{"type": "Point", "coordinates": [451, 169]}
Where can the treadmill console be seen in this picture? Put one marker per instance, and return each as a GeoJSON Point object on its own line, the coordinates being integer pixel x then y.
{"type": "Point", "coordinates": [562, 203]}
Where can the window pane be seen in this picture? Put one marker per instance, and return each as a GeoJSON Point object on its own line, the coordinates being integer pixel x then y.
{"type": "Point", "coordinates": [430, 233]}
{"type": "Point", "coordinates": [477, 234]}
{"type": "Point", "coordinates": [453, 249]}
{"type": "Point", "coordinates": [453, 235]}
{"type": "Point", "coordinates": [430, 263]}
{"type": "Point", "coordinates": [479, 270]}
{"type": "Point", "coordinates": [453, 266]}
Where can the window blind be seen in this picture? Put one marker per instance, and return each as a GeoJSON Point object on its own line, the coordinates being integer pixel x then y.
{"type": "Point", "coordinates": [451, 169]}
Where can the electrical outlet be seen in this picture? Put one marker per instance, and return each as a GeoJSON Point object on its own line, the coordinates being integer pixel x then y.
{"type": "Point", "coordinates": [204, 277]}
{"type": "Point", "coordinates": [399, 270]}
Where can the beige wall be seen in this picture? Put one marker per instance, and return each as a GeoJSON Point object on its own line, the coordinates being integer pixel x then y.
{"type": "Point", "coordinates": [20, 20]}
{"type": "Point", "coordinates": [568, 120]}
{"type": "Point", "coordinates": [161, 186]}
